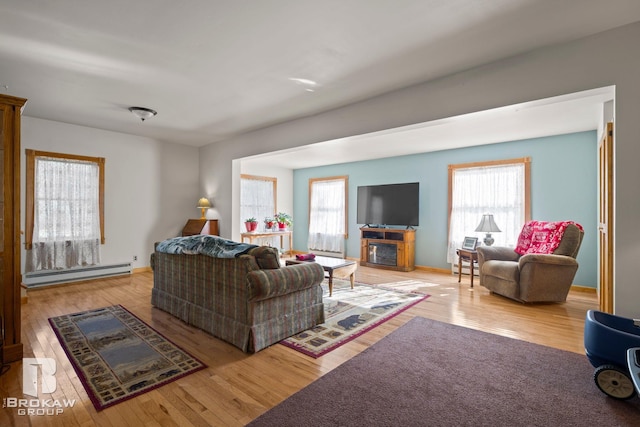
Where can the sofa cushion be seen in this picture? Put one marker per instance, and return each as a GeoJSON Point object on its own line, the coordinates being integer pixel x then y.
{"type": "Point", "coordinates": [267, 257]}
{"type": "Point", "coordinates": [542, 237]}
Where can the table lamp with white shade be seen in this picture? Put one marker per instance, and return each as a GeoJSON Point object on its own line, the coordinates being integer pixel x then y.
{"type": "Point", "coordinates": [488, 225]}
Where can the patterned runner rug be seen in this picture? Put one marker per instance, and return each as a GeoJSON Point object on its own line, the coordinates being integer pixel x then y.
{"type": "Point", "coordinates": [117, 356]}
{"type": "Point", "coordinates": [350, 313]}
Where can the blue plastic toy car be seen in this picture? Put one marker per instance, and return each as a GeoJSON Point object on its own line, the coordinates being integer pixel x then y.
{"type": "Point", "coordinates": [610, 344]}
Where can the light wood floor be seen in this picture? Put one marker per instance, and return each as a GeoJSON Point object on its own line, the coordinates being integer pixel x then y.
{"type": "Point", "coordinates": [236, 387]}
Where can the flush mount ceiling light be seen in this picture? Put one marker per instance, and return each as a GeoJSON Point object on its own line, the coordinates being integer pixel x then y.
{"type": "Point", "coordinates": [143, 113]}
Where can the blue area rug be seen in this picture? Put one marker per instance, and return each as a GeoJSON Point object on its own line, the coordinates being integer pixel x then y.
{"type": "Point", "coordinates": [117, 356]}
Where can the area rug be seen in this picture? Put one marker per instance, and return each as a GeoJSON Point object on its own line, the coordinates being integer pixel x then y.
{"type": "Point", "coordinates": [117, 356]}
{"type": "Point", "coordinates": [350, 313]}
{"type": "Point", "coordinates": [428, 373]}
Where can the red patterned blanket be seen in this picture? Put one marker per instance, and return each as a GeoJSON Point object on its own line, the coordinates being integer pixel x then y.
{"type": "Point", "coordinates": [542, 237]}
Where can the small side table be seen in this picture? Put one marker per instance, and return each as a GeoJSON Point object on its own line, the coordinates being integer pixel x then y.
{"type": "Point", "coordinates": [257, 234]}
{"type": "Point", "coordinates": [466, 255]}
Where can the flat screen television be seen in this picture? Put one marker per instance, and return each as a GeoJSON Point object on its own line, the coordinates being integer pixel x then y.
{"type": "Point", "coordinates": [390, 204]}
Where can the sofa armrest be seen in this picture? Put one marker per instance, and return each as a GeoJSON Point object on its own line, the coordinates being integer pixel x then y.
{"type": "Point", "coordinates": [264, 284]}
{"type": "Point", "coordinates": [546, 259]}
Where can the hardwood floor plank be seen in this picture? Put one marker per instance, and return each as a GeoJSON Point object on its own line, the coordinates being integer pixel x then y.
{"type": "Point", "coordinates": [236, 387]}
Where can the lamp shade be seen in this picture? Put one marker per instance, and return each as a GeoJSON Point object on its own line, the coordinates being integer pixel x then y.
{"type": "Point", "coordinates": [204, 203]}
{"type": "Point", "coordinates": [487, 224]}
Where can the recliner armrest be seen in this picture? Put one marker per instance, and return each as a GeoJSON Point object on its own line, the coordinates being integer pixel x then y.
{"type": "Point", "coordinates": [500, 253]}
{"type": "Point", "coordinates": [546, 259]}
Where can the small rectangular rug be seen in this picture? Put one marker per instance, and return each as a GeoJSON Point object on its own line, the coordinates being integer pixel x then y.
{"type": "Point", "coordinates": [350, 313]}
{"type": "Point", "coordinates": [430, 373]}
{"type": "Point", "coordinates": [117, 356]}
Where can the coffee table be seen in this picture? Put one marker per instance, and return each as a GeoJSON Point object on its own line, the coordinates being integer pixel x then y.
{"type": "Point", "coordinates": [334, 267]}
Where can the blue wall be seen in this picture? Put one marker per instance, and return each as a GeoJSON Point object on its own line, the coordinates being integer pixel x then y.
{"type": "Point", "coordinates": [563, 187]}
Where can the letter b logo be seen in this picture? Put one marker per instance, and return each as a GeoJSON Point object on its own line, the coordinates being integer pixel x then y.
{"type": "Point", "coordinates": [30, 375]}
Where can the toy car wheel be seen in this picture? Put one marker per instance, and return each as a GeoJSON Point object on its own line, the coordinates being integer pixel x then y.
{"type": "Point", "coordinates": [614, 382]}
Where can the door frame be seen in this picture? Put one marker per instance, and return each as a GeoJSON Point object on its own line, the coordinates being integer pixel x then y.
{"type": "Point", "coordinates": [605, 220]}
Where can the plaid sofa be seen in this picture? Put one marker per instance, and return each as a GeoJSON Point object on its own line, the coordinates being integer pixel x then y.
{"type": "Point", "coordinates": [249, 301]}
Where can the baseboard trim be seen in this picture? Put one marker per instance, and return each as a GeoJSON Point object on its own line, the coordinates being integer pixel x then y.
{"type": "Point", "coordinates": [433, 269]}
{"type": "Point", "coordinates": [587, 289]}
{"type": "Point", "coordinates": [425, 268]}
{"type": "Point", "coordinates": [141, 270]}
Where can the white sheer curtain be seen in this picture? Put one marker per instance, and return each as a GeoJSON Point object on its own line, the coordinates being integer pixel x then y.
{"type": "Point", "coordinates": [327, 212]}
{"type": "Point", "coordinates": [66, 230]}
{"type": "Point", "coordinates": [257, 199]}
{"type": "Point", "coordinates": [498, 190]}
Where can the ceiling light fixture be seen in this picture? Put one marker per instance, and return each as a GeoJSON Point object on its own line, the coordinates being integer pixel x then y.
{"type": "Point", "coordinates": [143, 113]}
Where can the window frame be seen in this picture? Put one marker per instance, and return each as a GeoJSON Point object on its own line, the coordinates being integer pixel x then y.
{"type": "Point", "coordinates": [30, 188]}
{"type": "Point", "coordinates": [344, 178]}
{"type": "Point", "coordinates": [526, 161]}
{"type": "Point", "coordinates": [274, 182]}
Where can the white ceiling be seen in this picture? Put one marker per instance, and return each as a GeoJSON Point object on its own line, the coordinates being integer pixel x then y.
{"type": "Point", "coordinates": [217, 68]}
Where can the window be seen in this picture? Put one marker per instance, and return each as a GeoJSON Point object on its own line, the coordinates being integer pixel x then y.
{"type": "Point", "coordinates": [498, 187]}
{"type": "Point", "coordinates": [65, 210]}
{"type": "Point", "coordinates": [257, 197]}
{"type": "Point", "coordinates": [328, 213]}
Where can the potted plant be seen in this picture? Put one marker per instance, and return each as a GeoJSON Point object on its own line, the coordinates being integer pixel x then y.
{"type": "Point", "coordinates": [269, 222]}
{"type": "Point", "coordinates": [284, 220]}
{"type": "Point", "coordinates": [251, 224]}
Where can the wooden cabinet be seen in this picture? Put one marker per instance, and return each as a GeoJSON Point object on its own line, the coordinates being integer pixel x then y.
{"type": "Point", "coordinates": [201, 226]}
{"type": "Point", "coordinates": [10, 277]}
{"type": "Point", "coordinates": [389, 248]}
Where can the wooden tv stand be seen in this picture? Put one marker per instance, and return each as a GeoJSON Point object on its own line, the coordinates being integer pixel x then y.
{"type": "Point", "coordinates": [389, 248]}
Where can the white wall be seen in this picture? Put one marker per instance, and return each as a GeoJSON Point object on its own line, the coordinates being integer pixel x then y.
{"type": "Point", "coordinates": [610, 58]}
{"type": "Point", "coordinates": [151, 187]}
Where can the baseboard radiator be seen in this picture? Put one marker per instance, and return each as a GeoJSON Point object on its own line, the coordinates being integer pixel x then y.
{"type": "Point", "coordinates": [327, 253]}
{"type": "Point", "coordinates": [52, 277]}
